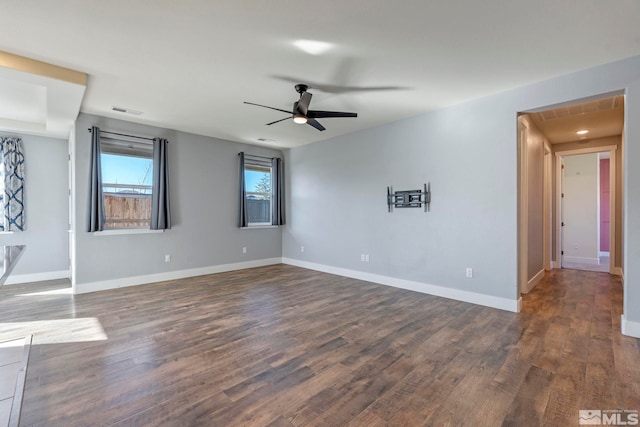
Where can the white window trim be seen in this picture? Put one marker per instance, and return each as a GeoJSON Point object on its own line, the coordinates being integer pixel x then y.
{"type": "Point", "coordinates": [259, 226]}
{"type": "Point", "coordinates": [119, 231]}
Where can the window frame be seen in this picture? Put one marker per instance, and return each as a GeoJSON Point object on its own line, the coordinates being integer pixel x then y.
{"type": "Point", "coordinates": [265, 166]}
{"type": "Point", "coordinates": [127, 149]}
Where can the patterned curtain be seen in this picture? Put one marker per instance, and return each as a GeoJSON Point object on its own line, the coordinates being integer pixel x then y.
{"type": "Point", "coordinates": [12, 171]}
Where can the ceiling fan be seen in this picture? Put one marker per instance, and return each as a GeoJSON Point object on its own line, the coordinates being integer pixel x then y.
{"type": "Point", "coordinates": [301, 113]}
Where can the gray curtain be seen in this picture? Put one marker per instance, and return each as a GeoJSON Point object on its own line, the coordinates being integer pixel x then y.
{"type": "Point", "coordinates": [277, 196]}
{"type": "Point", "coordinates": [243, 214]}
{"type": "Point", "coordinates": [160, 202]}
{"type": "Point", "coordinates": [95, 208]}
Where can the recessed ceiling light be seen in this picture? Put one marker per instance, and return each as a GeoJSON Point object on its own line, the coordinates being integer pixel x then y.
{"type": "Point", "coordinates": [582, 132]}
{"type": "Point", "coordinates": [312, 47]}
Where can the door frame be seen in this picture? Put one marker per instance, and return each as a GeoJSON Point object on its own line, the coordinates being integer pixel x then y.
{"type": "Point", "coordinates": [523, 215]}
{"type": "Point", "coordinates": [612, 199]}
{"type": "Point", "coordinates": [547, 208]}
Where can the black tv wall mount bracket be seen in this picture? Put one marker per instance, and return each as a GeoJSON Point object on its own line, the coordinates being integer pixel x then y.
{"type": "Point", "coordinates": [409, 198]}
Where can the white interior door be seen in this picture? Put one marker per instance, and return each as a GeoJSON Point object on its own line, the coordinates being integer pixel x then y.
{"type": "Point", "coordinates": [579, 213]}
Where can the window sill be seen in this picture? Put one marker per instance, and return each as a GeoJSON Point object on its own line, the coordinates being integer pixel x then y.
{"type": "Point", "coordinates": [116, 232]}
{"type": "Point", "coordinates": [251, 227]}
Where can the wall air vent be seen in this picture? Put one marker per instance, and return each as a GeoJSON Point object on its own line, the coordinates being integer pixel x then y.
{"type": "Point", "coordinates": [126, 110]}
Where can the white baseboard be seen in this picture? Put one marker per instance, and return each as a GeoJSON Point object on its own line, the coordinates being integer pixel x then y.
{"type": "Point", "coordinates": [581, 260]}
{"type": "Point", "coordinates": [555, 264]}
{"type": "Point", "coordinates": [629, 328]}
{"type": "Point", "coordinates": [534, 281]}
{"type": "Point", "coordinates": [82, 288]}
{"type": "Point", "coordinates": [603, 253]}
{"type": "Point", "coordinates": [15, 279]}
{"type": "Point", "coordinates": [455, 294]}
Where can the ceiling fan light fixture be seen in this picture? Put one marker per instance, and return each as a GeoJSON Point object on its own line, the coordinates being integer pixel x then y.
{"type": "Point", "coordinates": [582, 132]}
{"type": "Point", "coordinates": [300, 119]}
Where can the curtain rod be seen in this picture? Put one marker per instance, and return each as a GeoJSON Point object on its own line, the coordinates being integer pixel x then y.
{"type": "Point", "coordinates": [260, 157]}
{"type": "Point", "coordinates": [123, 134]}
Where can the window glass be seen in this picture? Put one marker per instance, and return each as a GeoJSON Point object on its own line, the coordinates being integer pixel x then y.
{"type": "Point", "coordinates": [258, 190]}
{"type": "Point", "coordinates": [126, 187]}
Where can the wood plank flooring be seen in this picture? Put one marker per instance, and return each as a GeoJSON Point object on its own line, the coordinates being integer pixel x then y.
{"type": "Point", "coordinates": [284, 346]}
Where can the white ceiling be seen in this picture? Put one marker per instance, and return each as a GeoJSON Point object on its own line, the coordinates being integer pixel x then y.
{"type": "Point", "coordinates": [189, 65]}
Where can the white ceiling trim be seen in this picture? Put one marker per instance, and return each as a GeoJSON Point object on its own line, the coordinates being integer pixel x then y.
{"type": "Point", "coordinates": [38, 98]}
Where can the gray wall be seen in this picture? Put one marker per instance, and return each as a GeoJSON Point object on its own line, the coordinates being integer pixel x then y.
{"type": "Point", "coordinates": [46, 207]}
{"type": "Point", "coordinates": [204, 188]}
{"type": "Point", "coordinates": [631, 261]}
{"type": "Point", "coordinates": [337, 205]}
{"type": "Point", "coordinates": [468, 152]}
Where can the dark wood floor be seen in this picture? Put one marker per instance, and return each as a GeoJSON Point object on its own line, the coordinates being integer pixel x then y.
{"type": "Point", "coordinates": [284, 346]}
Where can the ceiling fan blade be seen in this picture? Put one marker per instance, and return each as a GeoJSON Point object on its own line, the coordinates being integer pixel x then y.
{"type": "Point", "coordinates": [271, 108]}
{"type": "Point", "coordinates": [303, 104]}
{"type": "Point", "coordinates": [278, 121]}
{"type": "Point", "coordinates": [315, 124]}
{"type": "Point", "coordinates": [349, 89]}
{"type": "Point", "coordinates": [339, 89]}
{"type": "Point", "coordinates": [314, 114]}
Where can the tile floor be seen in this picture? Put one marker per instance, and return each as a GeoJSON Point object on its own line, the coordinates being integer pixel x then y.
{"type": "Point", "coordinates": [603, 267]}
{"type": "Point", "coordinates": [11, 353]}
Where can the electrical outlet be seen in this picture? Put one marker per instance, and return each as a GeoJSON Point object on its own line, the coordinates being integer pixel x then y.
{"type": "Point", "coordinates": [244, 250]}
{"type": "Point", "coordinates": [301, 248]}
{"type": "Point", "coordinates": [469, 272]}
{"type": "Point", "coordinates": [167, 258]}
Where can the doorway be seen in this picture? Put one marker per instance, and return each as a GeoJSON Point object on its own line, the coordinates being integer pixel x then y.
{"type": "Point", "coordinates": [585, 204]}
{"type": "Point", "coordinates": [545, 136]}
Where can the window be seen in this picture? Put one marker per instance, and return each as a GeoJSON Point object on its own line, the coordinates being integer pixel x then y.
{"type": "Point", "coordinates": [127, 174]}
{"type": "Point", "coordinates": [258, 184]}
{"type": "Point", "coordinates": [261, 195]}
